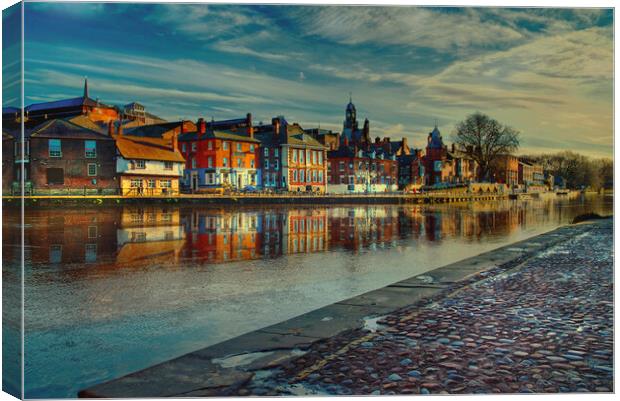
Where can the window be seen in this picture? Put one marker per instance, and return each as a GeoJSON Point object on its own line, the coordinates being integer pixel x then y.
{"type": "Point", "coordinates": [309, 176]}
{"type": "Point", "coordinates": [267, 164]}
{"type": "Point", "coordinates": [55, 253]}
{"type": "Point", "coordinates": [252, 148]}
{"type": "Point", "coordinates": [351, 179]}
{"type": "Point", "coordinates": [167, 165]}
{"type": "Point", "coordinates": [294, 156]}
{"type": "Point", "coordinates": [90, 253]}
{"type": "Point", "coordinates": [238, 147]}
{"type": "Point", "coordinates": [92, 169]}
{"type": "Point", "coordinates": [320, 157]}
{"type": "Point", "coordinates": [135, 183]}
{"type": "Point", "coordinates": [55, 148]}
{"type": "Point", "coordinates": [150, 183]}
{"type": "Point", "coordinates": [239, 163]}
{"type": "Point", "coordinates": [225, 145]}
{"type": "Point", "coordinates": [314, 157]}
{"type": "Point", "coordinates": [140, 164]}
{"type": "Point", "coordinates": [210, 178]}
{"type": "Point", "coordinates": [193, 146]}
{"type": "Point", "coordinates": [276, 152]}
{"type": "Point", "coordinates": [224, 162]}
{"type": "Point", "coordinates": [294, 175]}
{"type": "Point", "coordinates": [90, 148]}
{"type": "Point", "coordinates": [193, 163]}
{"type": "Point", "coordinates": [314, 175]}
{"type": "Point", "coordinates": [301, 157]}
{"type": "Point", "coordinates": [302, 176]}
{"type": "Point", "coordinates": [341, 166]}
{"type": "Point", "coordinates": [252, 163]}
{"type": "Point", "coordinates": [210, 161]}
{"type": "Point", "coordinates": [266, 152]}
{"type": "Point", "coordinates": [210, 145]}
{"type": "Point", "coordinates": [92, 231]}
{"type": "Point", "coordinates": [165, 183]}
{"type": "Point", "coordinates": [183, 147]}
{"type": "Point", "coordinates": [275, 164]}
{"type": "Point", "coordinates": [55, 176]}
{"type": "Point", "coordinates": [320, 176]}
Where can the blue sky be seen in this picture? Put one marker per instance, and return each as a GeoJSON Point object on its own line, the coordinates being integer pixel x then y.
{"type": "Point", "coordinates": [546, 72]}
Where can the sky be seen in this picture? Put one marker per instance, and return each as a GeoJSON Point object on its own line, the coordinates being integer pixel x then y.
{"type": "Point", "coordinates": [547, 72]}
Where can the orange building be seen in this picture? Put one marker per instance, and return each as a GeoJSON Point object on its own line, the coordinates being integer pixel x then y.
{"type": "Point", "coordinates": [220, 154]}
{"type": "Point", "coordinates": [506, 170]}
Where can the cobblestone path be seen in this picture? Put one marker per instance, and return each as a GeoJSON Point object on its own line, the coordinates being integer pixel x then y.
{"type": "Point", "coordinates": [544, 327]}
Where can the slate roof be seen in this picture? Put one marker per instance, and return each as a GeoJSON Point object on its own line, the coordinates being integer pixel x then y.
{"type": "Point", "coordinates": [10, 110]}
{"type": "Point", "coordinates": [226, 123]}
{"type": "Point", "coordinates": [219, 134]}
{"type": "Point", "coordinates": [153, 130]}
{"type": "Point", "coordinates": [349, 151]}
{"type": "Point", "coordinates": [64, 103]}
{"type": "Point", "coordinates": [436, 140]}
{"type": "Point", "coordinates": [142, 148]}
{"type": "Point", "coordinates": [84, 121]}
{"type": "Point", "coordinates": [63, 129]}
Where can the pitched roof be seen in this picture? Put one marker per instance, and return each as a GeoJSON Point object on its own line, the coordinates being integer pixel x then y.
{"type": "Point", "coordinates": [218, 134]}
{"type": "Point", "coordinates": [84, 121]}
{"type": "Point", "coordinates": [153, 130]}
{"type": "Point", "coordinates": [134, 147]}
{"type": "Point", "coordinates": [64, 103]}
{"type": "Point", "coordinates": [10, 110]}
{"type": "Point", "coordinates": [63, 129]}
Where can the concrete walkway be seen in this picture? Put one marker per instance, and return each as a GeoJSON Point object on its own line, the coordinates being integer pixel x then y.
{"type": "Point", "coordinates": [430, 336]}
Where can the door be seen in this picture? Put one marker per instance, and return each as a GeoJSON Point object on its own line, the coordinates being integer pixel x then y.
{"type": "Point", "coordinates": [194, 181]}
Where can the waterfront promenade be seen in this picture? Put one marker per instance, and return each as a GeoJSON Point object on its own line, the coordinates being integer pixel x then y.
{"type": "Point", "coordinates": [483, 325]}
{"type": "Point", "coordinates": [249, 198]}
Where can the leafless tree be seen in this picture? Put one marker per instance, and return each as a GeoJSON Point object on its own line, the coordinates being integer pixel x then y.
{"type": "Point", "coordinates": [484, 139]}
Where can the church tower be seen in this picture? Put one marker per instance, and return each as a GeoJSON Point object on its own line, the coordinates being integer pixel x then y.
{"type": "Point", "coordinates": [350, 116]}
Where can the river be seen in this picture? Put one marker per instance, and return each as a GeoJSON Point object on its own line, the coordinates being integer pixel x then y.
{"type": "Point", "coordinates": [113, 290]}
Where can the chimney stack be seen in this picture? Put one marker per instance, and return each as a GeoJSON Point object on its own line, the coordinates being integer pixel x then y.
{"type": "Point", "coordinates": [110, 128]}
{"type": "Point", "coordinates": [202, 126]}
{"type": "Point", "coordinates": [175, 141]}
{"type": "Point", "coordinates": [248, 121]}
{"type": "Point", "coordinates": [276, 126]}
{"type": "Point", "coordinates": [453, 148]}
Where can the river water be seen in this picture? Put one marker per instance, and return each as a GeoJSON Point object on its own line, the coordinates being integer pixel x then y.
{"type": "Point", "coordinates": [113, 290]}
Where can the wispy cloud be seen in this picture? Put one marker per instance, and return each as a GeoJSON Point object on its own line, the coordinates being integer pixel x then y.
{"type": "Point", "coordinates": [547, 72]}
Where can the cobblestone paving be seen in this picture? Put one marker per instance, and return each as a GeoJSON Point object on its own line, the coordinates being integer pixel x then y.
{"type": "Point", "coordinates": [543, 327]}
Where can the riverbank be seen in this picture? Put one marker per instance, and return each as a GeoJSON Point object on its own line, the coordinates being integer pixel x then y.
{"type": "Point", "coordinates": [248, 199]}
{"type": "Point", "coordinates": [303, 350]}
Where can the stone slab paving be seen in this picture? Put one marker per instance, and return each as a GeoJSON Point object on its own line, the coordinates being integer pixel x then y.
{"type": "Point", "coordinates": [247, 364]}
{"type": "Point", "coordinates": [545, 326]}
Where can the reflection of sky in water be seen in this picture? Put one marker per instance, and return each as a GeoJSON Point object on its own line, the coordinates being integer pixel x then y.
{"type": "Point", "coordinates": [110, 291]}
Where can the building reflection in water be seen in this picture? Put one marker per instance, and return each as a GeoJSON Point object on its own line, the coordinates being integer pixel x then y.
{"type": "Point", "coordinates": [141, 236]}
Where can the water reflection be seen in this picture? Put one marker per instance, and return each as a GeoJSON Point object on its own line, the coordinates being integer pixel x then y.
{"type": "Point", "coordinates": [139, 236]}
{"type": "Point", "coordinates": [113, 290]}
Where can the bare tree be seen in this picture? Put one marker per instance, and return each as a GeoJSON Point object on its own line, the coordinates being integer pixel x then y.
{"type": "Point", "coordinates": [484, 139]}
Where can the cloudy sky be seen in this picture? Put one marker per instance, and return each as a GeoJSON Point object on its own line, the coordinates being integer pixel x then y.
{"type": "Point", "coordinates": [546, 72]}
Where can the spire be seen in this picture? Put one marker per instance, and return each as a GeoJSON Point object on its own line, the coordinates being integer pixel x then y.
{"type": "Point", "coordinates": [85, 87]}
{"type": "Point", "coordinates": [350, 97]}
{"type": "Point", "coordinates": [435, 123]}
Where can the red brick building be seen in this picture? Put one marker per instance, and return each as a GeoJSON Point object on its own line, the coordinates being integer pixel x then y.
{"type": "Point", "coordinates": [290, 159]}
{"type": "Point", "coordinates": [443, 166]}
{"type": "Point", "coordinates": [220, 154]}
{"type": "Point", "coordinates": [65, 158]}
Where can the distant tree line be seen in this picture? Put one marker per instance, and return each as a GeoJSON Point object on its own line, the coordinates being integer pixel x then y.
{"type": "Point", "coordinates": [579, 171]}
